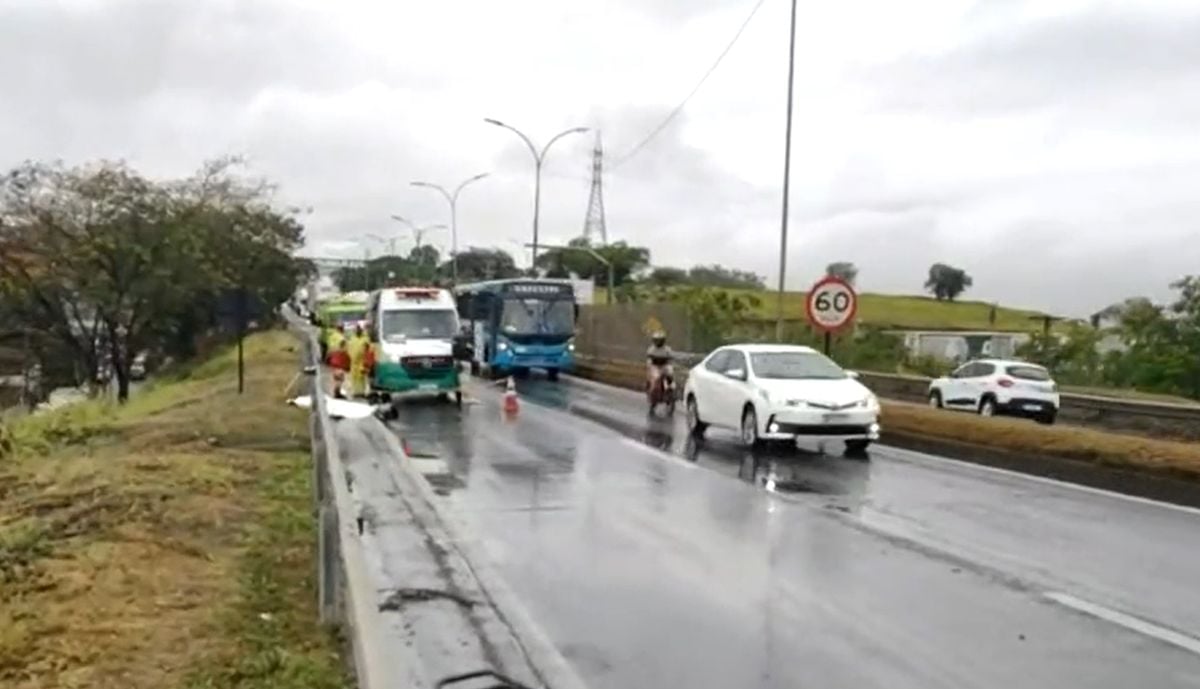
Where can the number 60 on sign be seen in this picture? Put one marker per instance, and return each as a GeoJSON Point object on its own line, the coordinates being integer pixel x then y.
{"type": "Point", "coordinates": [831, 304]}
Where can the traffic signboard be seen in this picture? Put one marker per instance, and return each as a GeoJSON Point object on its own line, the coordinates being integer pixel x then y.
{"type": "Point", "coordinates": [831, 304]}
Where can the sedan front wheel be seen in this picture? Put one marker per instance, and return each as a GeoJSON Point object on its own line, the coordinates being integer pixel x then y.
{"type": "Point", "coordinates": [750, 428]}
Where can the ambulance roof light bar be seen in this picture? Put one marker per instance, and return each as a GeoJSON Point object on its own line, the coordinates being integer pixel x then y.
{"type": "Point", "coordinates": [416, 292]}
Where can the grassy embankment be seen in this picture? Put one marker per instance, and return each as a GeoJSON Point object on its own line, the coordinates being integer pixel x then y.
{"type": "Point", "coordinates": [903, 311]}
{"type": "Point", "coordinates": [167, 543]}
{"type": "Point", "coordinates": [1179, 459]}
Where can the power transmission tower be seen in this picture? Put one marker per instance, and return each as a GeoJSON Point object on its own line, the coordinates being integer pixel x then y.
{"type": "Point", "coordinates": [593, 224]}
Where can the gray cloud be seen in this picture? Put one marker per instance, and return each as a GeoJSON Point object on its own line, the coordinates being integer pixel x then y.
{"type": "Point", "coordinates": [1091, 202]}
{"type": "Point", "coordinates": [1132, 59]}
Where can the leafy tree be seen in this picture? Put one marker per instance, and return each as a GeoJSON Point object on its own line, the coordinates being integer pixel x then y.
{"type": "Point", "coordinates": [666, 277]}
{"type": "Point", "coordinates": [713, 312]}
{"type": "Point", "coordinates": [1073, 357]}
{"type": "Point", "coordinates": [947, 282]}
{"type": "Point", "coordinates": [720, 276]}
{"type": "Point", "coordinates": [627, 261]}
{"type": "Point", "coordinates": [108, 263]}
{"type": "Point", "coordinates": [844, 270]}
{"type": "Point", "coordinates": [483, 264]}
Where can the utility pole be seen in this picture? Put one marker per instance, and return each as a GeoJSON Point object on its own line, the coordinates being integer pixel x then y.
{"type": "Point", "coordinates": [787, 172]}
{"type": "Point", "coordinates": [538, 158]}
{"type": "Point", "coordinates": [452, 199]}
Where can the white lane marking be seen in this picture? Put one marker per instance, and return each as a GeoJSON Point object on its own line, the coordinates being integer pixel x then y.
{"type": "Point", "coordinates": [923, 458]}
{"type": "Point", "coordinates": [1179, 639]}
{"type": "Point", "coordinates": [657, 453]}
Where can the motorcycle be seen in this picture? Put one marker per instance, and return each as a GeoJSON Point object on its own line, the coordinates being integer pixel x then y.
{"type": "Point", "coordinates": [662, 392]}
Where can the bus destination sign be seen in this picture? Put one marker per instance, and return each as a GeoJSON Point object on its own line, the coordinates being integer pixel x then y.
{"type": "Point", "coordinates": [540, 289]}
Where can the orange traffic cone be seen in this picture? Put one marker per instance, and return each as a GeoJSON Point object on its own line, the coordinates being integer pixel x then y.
{"type": "Point", "coordinates": [511, 406]}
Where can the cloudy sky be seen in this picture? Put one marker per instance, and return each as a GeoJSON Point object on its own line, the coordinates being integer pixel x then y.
{"type": "Point", "coordinates": [1051, 148]}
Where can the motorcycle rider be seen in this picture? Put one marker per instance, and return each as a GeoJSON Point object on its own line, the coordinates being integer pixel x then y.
{"type": "Point", "coordinates": [658, 360]}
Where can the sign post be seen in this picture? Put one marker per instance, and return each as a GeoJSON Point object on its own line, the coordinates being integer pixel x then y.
{"type": "Point", "coordinates": [831, 305]}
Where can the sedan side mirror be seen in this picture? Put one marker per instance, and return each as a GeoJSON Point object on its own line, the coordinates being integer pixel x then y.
{"type": "Point", "coordinates": [736, 374]}
{"type": "Point", "coordinates": [852, 374]}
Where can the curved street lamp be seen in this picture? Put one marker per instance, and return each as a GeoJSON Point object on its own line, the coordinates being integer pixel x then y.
{"type": "Point", "coordinates": [452, 199]}
{"type": "Point", "coordinates": [538, 158]}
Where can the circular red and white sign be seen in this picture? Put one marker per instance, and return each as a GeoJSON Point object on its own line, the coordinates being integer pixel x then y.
{"type": "Point", "coordinates": [831, 304]}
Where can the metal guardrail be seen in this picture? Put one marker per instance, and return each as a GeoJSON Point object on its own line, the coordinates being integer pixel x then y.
{"type": "Point", "coordinates": [343, 583]}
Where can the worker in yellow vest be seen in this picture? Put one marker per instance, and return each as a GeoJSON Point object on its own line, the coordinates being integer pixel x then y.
{"type": "Point", "coordinates": [334, 339]}
{"type": "Point", "coordinates": [359, 346]}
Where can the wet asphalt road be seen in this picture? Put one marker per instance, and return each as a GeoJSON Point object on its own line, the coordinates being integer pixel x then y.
{"type": "Point", "coordinates": [656, 562]}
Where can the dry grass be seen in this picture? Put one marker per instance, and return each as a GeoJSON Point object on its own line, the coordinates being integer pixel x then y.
{"type": "Point", "coordinates": [1018, 435]}
{"type": "Point", "coordinates": [165, 543]}
{"type": "Point", "coordinates": [1129, 395]}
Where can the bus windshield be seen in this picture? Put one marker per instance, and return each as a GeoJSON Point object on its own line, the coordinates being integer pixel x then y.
{"type": "Point", "coordinates": [346, 317]}
{"type": "Point", "coordinates": [417, 325]}
{"type": "Point", "coordinates": [537, 317]}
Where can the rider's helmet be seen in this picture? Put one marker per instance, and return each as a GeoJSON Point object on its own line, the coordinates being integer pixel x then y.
{"type": "Point", "coordinates": [659, 338]}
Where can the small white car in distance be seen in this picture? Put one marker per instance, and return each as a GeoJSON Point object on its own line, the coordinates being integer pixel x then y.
{"type": "Point", "coordinates": [780, 392]}
{"type": "Point", "coordinates": [998, 386]}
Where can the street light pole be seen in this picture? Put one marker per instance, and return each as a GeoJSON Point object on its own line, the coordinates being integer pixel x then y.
{"type": "Point", "coordinates": [538, 159]}
{"type": "Point", "coordinates": [452, 199]}
{"type": "Point", "coordinates": [596, 255]}
{"type": "Point", "coordinates": [787, 171]}
{"type": "Point", "coordinates": [418, 232]}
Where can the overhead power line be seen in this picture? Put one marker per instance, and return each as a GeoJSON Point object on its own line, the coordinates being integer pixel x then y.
{"type": "Point", "coordinates": [679, 108]}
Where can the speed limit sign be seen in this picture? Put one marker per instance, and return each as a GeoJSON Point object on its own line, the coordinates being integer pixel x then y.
{"type": "Point", "coordinates": [831, 304]}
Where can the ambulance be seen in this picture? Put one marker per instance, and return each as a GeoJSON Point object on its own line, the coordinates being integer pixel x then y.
{"type": "Point", "coordinates": [414, 331]}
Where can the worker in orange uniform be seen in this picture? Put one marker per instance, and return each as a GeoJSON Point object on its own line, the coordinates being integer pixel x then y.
{"type": "Point", "coordinates": [359, 348]}
{"type": "Point", "coordinates": [339, 364]}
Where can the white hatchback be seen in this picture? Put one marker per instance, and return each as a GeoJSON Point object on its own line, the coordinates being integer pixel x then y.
{"type": "Point", "coordinates": [780, 392]}
{"type": "Point", "coordinates": [998, 386]}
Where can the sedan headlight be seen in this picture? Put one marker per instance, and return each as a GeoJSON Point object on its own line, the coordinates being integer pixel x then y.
{"type": "Point", "coordinates": [502, 346]}
{"type": "Point", "coordinates": [867, 402]}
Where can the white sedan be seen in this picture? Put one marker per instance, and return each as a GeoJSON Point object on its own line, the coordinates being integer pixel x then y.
{"type": "Point", "coordinates": [780, 392]}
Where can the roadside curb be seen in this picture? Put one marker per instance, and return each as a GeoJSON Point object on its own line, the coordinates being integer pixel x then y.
{"type": "Point", "coordinates": [449, 531]}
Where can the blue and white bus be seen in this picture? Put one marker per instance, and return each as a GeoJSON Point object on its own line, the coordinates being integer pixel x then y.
{"type": "Point", "coordinates": [520, 324]}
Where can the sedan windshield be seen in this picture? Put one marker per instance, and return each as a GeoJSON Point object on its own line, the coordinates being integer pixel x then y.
{"type": "Point", "coordinates": [795, 366]}
{"type": "Point", "coordinates": [418, 325]}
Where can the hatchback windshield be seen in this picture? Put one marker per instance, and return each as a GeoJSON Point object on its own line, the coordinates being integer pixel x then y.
{"type": "Point", "coordinates": [795, 366]}
{"type": "Point", "coordinates": [418, 324]}
{"type": "Point", "coordinates": [1028, 372]}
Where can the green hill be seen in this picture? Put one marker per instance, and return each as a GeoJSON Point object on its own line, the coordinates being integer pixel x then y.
{"type": "Point", "coordinates": [917, 313]}
{"type": "Point", "coordinates": [907, 312]}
